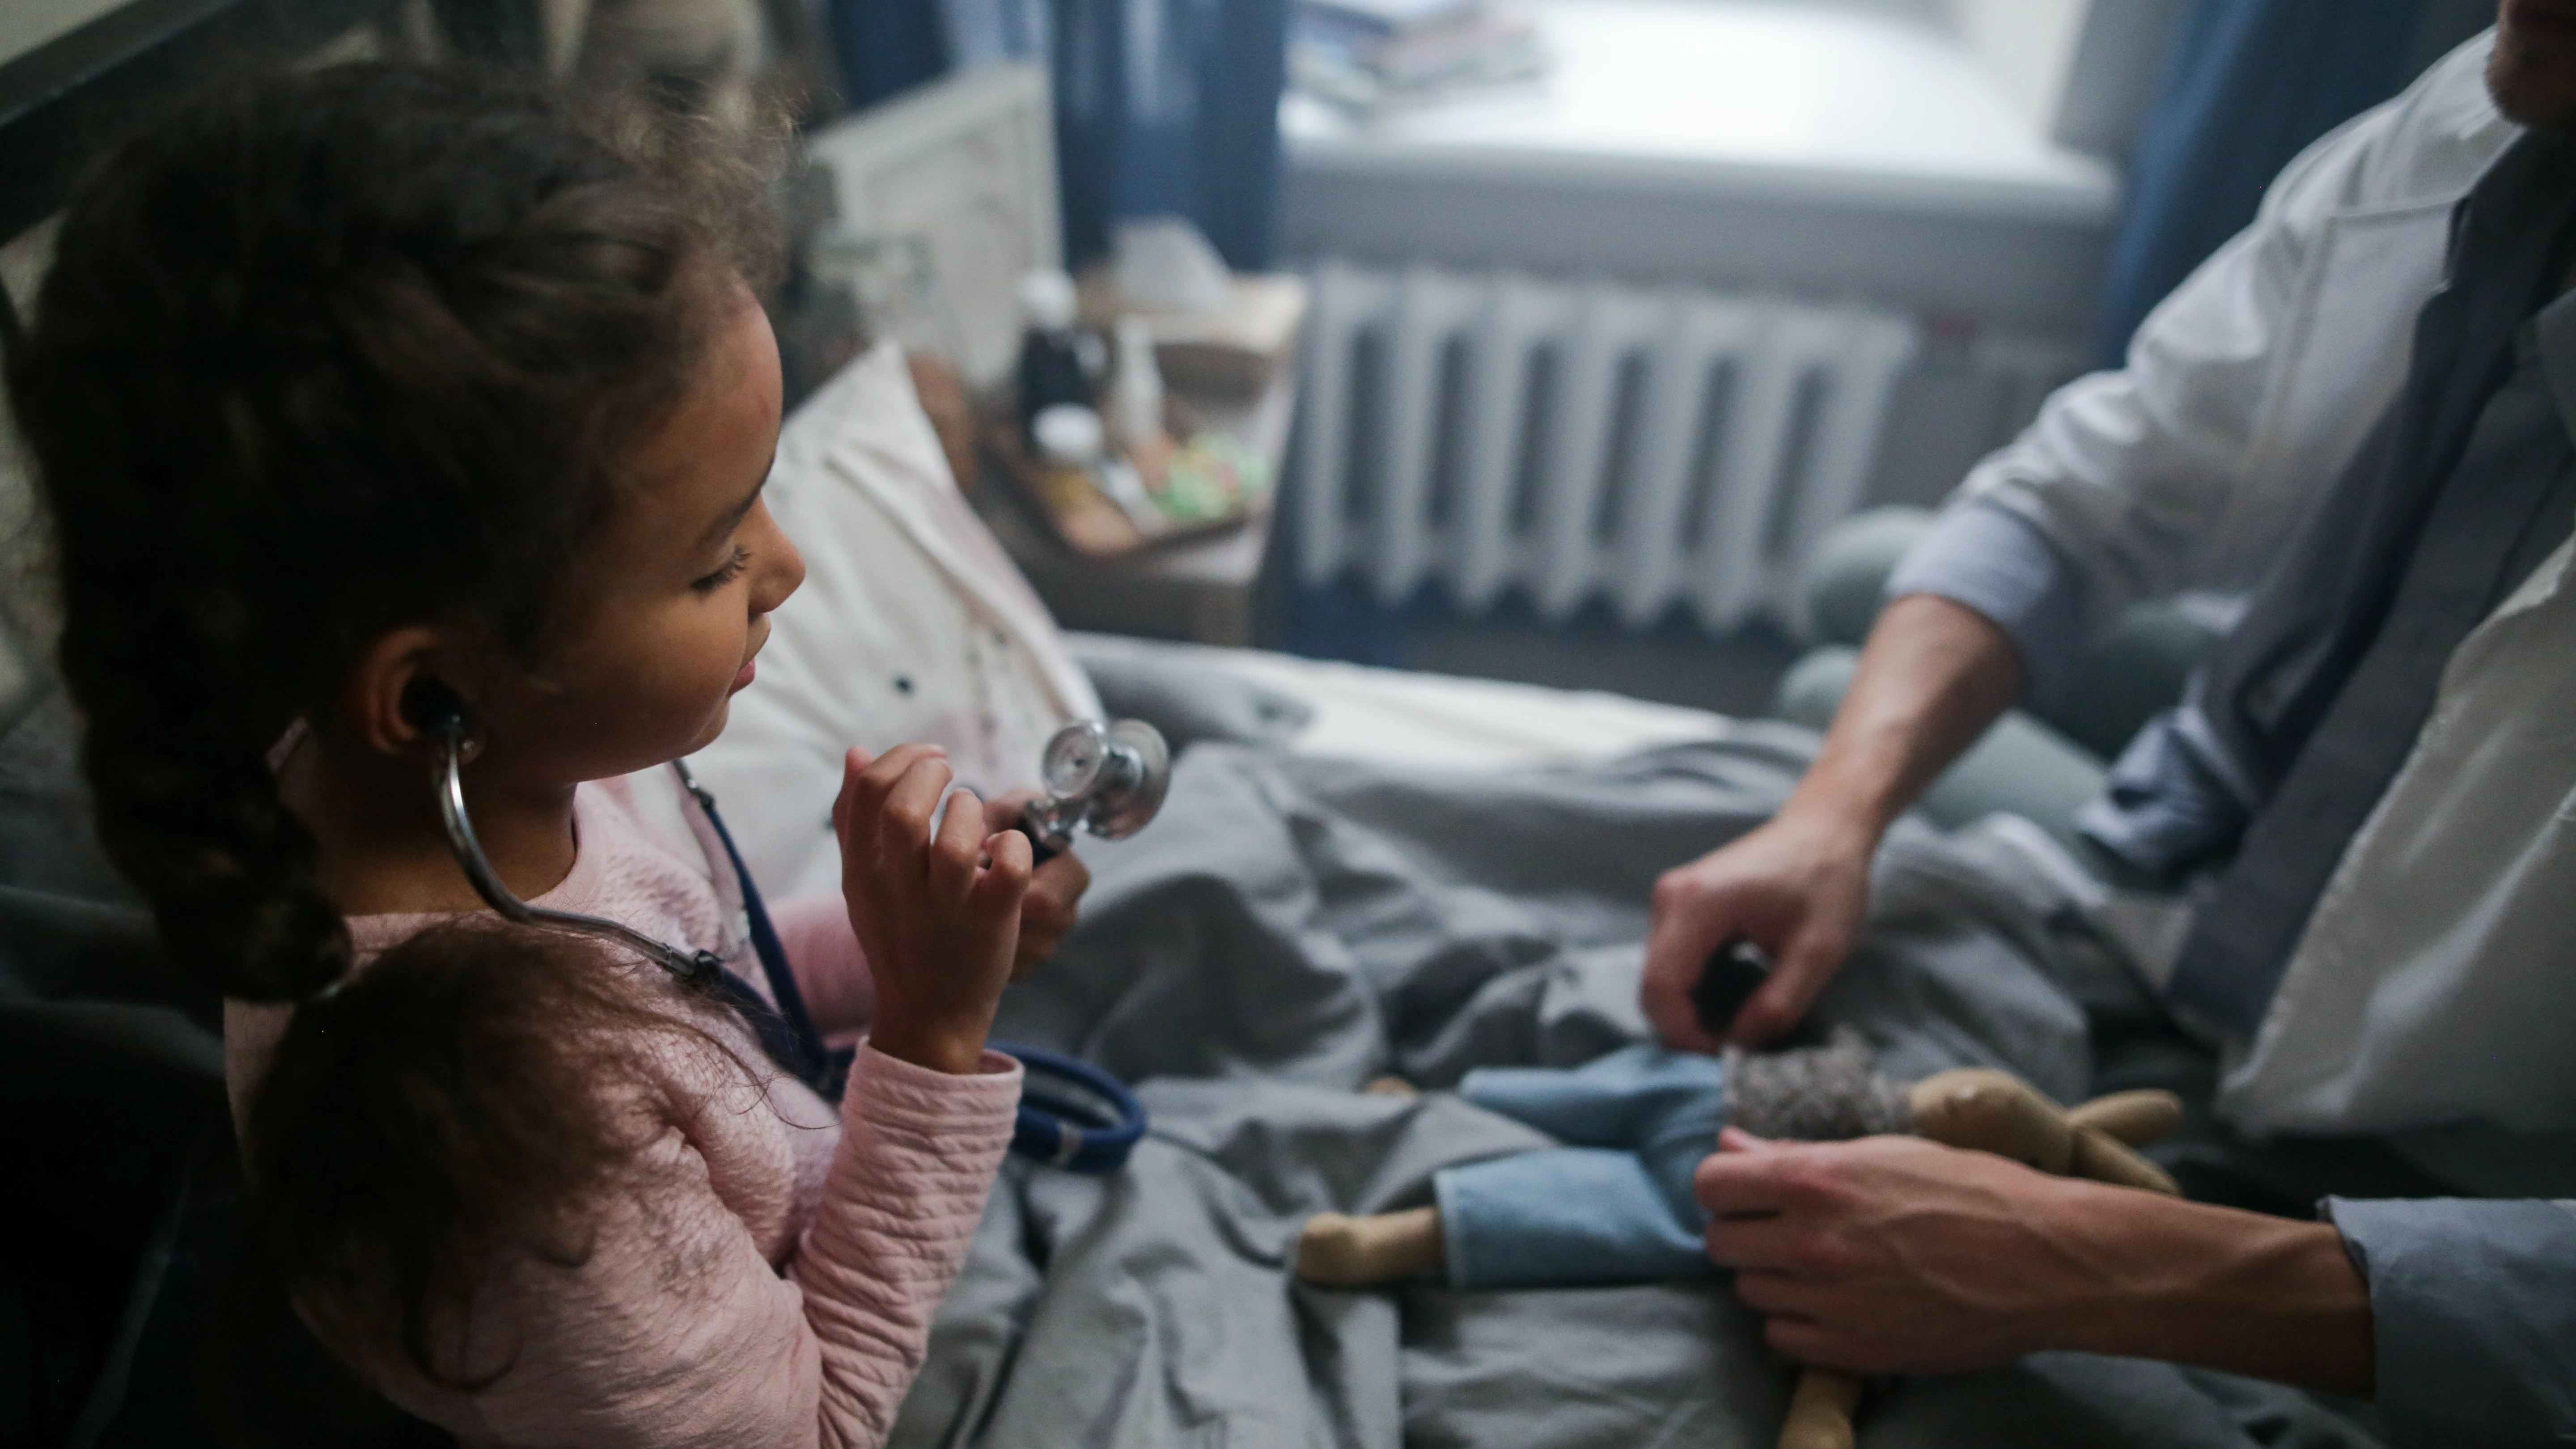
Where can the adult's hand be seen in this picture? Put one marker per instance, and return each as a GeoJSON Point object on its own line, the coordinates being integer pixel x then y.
{"type": "Point", "coordinates": [1796, 887]}
{"type": "Point", "coordinates": [1894, 1255]}
{"type": "Point", "coordinates": [1934, 675]}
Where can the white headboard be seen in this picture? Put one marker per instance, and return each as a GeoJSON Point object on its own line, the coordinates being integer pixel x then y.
{"type": "Point", "coordinates": [967, 166]}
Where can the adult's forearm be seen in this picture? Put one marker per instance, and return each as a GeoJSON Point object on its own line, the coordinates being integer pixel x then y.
{"type": "Point", "coordinates": [1933, 675]}
{"type": "Point", "coordinates": [2241, 1292]}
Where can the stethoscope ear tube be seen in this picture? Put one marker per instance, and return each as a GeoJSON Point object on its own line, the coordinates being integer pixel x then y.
{"type": "Point", "coordinates": [695, 968]}
{"type": "Point", "coordinates": [1072, 1115]}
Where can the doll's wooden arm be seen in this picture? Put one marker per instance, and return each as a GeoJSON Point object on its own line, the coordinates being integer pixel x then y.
{"type": "Point", "coordinates": [1338, 1251]}
{"type": "Point", "coordinates": [2137, 1118]}
{"type": "Point", "coordinates": [1820, 1411]}
{"type": "Point", "coordinates": [1997, 1112]}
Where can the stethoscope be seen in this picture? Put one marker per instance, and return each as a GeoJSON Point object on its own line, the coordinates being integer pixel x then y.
{"type": "Point", "coordinates": [1105, 780]}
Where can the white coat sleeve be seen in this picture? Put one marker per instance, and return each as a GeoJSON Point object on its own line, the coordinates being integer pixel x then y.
{"type": "Point", "coordinates": [2133, 478]}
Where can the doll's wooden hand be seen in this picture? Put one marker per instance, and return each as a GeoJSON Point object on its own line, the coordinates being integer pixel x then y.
{"type": "Point", "coordinates": [1997, 1112]}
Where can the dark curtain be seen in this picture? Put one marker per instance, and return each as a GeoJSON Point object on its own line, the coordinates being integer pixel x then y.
{"type": "Point", "coordinates": [1170, 107]}
{"type": "Point", "coordinates": [494, 32]}
{"type": "Point", "coordinates": [887, 47]}
{"type": "Point", "coordinates": [1162, 107]}
{"type": "Point", "coordinates": [2247, 85]}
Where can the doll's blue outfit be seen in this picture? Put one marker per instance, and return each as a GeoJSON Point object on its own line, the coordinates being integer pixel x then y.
{"type": "Point", "coordinates": [1614, 1204]}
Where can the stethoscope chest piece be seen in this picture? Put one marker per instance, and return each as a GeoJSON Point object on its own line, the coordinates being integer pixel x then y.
{"type": "Point", "coordinates": [1107, 780]}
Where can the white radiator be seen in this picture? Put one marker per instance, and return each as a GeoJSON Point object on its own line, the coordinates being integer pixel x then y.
{"type": "Point", "coordinates": [1583, 439]}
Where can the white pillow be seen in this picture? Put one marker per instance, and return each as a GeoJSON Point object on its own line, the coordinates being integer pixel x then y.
{"type": "Point", "coordinates": [913, 624]}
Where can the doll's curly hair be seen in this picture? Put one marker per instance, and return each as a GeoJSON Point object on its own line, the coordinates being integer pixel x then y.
{"type": "Point", "coordinates": [319, 356]}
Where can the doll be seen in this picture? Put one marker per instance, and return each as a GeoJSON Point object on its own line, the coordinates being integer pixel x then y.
{"type": "Point", "coordinates": [1614, 1203]}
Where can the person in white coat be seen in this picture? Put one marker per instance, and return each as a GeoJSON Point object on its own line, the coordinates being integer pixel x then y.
{"type": "Point", "coordinates": [2354, 422]}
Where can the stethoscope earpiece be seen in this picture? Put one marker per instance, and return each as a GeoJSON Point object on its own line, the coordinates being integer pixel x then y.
{"type": "Point", "coordinates": [439, 712]}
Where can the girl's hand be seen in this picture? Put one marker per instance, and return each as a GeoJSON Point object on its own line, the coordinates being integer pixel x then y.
{"type": "Point", "coordinates": [1054, 901]}
{"type": "Point", "coordinates": [938, 916]}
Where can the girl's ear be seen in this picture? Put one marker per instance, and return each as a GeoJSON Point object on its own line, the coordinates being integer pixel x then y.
{"type": "Point", "coordinates": [394, 691]}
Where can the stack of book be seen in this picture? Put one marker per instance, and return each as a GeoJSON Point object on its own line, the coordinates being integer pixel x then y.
{"type": "Point", "coordinates": [1375, 55]}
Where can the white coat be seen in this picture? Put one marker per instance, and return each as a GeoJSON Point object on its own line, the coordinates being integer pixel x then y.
{"type": "Point", "coordinates": [2433, 997]}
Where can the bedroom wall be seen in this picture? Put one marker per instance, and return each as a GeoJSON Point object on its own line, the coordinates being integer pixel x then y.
{"type": "Point", "coordinates": [26, 24]}
{"type": "Point", "coordinates": [2028, 46]}
{"type": "Point", "coordinates": [28, 615]}
{"type": "Point", "coordinates": [26, 594]}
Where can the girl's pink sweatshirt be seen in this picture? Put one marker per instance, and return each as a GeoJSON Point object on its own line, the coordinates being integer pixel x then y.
{"type": "Point", "coordinates": [773, 1279]}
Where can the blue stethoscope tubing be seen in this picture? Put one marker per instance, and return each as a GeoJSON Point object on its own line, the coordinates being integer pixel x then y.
{"type": "Point", "coordinates": [1072, 1114]}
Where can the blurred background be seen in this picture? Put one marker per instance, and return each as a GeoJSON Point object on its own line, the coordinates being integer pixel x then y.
{"type": "Point", "coordinates": [1539, 339]}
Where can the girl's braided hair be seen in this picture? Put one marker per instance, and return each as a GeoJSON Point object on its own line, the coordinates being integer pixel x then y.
{"type": "Point", "coordinates": [320, 356]}
{"type": "Point", "coordinates": [317, 357]}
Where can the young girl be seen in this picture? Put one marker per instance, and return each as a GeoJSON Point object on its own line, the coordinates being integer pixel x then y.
{"type": "Point", "coordinates": [377, 394]}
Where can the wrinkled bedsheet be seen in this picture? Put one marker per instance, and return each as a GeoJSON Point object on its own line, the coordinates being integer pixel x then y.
{"type": "Point", "coordinates": [1291, 928]}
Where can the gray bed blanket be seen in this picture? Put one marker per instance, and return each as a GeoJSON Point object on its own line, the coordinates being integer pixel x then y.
{"type": "Point", "coordinates": [1291, 928]}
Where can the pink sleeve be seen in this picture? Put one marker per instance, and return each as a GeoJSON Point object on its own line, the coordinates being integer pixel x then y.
{"type": "Point", "coordinates": [905, 1195]}
{"type": "Point", "coordinates": [676, 1333]}
{"type": "Point", "coordinates": [830, 968]}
